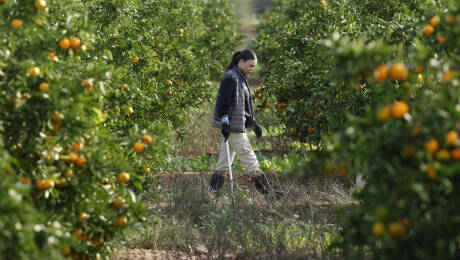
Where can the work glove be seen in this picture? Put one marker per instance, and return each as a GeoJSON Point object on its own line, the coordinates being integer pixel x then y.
{"type": "Point", "coordinates": [257, 130]}
{"type": "Point", "coordinates": [225, 127]}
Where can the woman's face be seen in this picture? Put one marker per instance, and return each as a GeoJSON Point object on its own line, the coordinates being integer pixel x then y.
{"type": "Point", "coordinates": [247, 67]}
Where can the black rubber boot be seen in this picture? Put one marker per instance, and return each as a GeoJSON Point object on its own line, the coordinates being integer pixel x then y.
{"type": "Point", "coordinates": [264, 187]}
{"type": "Point", "coordinates": [216, 182]}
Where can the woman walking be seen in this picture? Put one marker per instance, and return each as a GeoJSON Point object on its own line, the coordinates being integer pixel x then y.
{"type": "Point", "coordinates": [233, 114]}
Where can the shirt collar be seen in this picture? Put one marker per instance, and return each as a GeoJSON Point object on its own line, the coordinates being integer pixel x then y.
{"type": "Point", "coordinates": [238, 72]}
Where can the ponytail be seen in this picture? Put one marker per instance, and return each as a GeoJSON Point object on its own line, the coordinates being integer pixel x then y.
{"type": "Point", "coordinates": [241, 55]}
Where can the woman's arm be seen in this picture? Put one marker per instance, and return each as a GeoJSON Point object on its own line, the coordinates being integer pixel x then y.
{"type": "Point", "coordinates": [225, 96]}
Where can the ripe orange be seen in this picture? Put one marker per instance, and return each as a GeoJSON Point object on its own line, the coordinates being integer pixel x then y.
{"type": "Point", "coordinates": [419, 69]}
{"type": "Point", "coordinates": [138, 147]}
{"type": "Point", "coordinates": [447, 76]}
{"type": "Point", "coordinates": [78, 232]}
{"type": "Point", "coordinates": [146, 169]}
{"type": "Point", "coordinates": [129, 111]}
{"type": "Point", "coordinates": [258, 90]}
{"type": "Point", "coordinates": [52, 56]}
{"type": "Point", "coordinates": [168, 83]}
{"type": "Point", "coordinates": [397, 229]}
{"type": "Point", "coordinates": [123, 87]}
{"type": "Point", "coordinates": [428, 29]}
{"type": "Point", "coordinates": [398, 71]}
{"type": "Point", "coordinates": [80, 161]}
{"type": "Point", "coordinates": [310, 130]}
{"type": "Point", "coordinates": [431, 146]}
{"type": "Point", "coordinates": [434, 21]}
{"type": "Point", "coordinates": [267, 105]}
{"type": "Point", "coordinates": [441, 39]}
{"type": "Point", "coordinates": [378, 229]}
{"type": "Point", "coordinates": [431, 174]}
{"type": "Point", "coordinates": [455, 153]}
{"type": "Point", "coordinates": [451, 137]}
{"type": "Point", "coordinates": [122, 221]}
{"type": "Point", "coordinates": [26, 180]}
{"type": "Point", "coordinates": [180, 31]}
{"type": "Point", "coordinates": [443, 155]}
{"type": "Point", "coordinates": [322, 4]}
{"type": "Point", "coordinates": [146, 139]}
{"type": "Point", "coordinates": [169, 93]}
{"type": "Point", "coordinates": [136, 59]}
{"type": "Point", "coordinates": [381, 73]}
{"type": "Point", "coordinates": [117, 203]}
{"type": "Point", "coordinates": [292, 131]}
{"type": "Point", "coordinates": [82, 217]}
{"type": "Point", "coordinates": [342, 170]}
{"type": "Point", "coordinates": [64, 44]}
{"type": "Point", "coordinates": [77, 147]}
{"type": "Point", "coordinates": [159, 46]}
{"type": "Point", "coordinates": [34, 71]}
{"type": "Point", "coordinates": [43, 86]}
{"type": "Point", "coordinates": [75, 42]}
{"type": "Point", "coordinates": [399, 109]}
{"type": "Point", "coordinates": [123, 177]}
{"type": "Point", "coordinates": [16, 23]}
{"type": "Point", "coordinates": [450, 19]}
{"type": "Point", "coordinates": [155, 115]}
{"type": "Point", "coordinates": [318, 36]}
{"type": "Point", "coordinates": [72, 157]}
{"type": "Point", "coordinates": [384, 114]}
{"type": "Point", "coordinates": [40, 4]}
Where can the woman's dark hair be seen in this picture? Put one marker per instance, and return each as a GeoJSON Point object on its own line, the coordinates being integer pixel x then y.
{"type": "Point", "coordinates": [241, 55]}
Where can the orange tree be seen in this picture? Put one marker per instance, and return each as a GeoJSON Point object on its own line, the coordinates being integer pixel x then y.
{"type": "Point", "coordinates": [52, 89]}
{"type": "Point", "coordinates": [292, 45]}
{"type": "Point", "coordinates": [405, 143]}
{"type": "Point", "coordinates": [167, 50]}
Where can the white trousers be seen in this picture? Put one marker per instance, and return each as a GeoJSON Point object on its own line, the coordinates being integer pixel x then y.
{"type": "Point", "coordinates": [239, 145]}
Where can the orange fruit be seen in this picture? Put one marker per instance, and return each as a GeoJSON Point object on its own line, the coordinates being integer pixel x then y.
{"type": "Point", "coordinates": [428, 29]}
{"type": "Point", "coordinates": [72, 157]}
{"type": "Point", "coordinates": [155, 115]}
{"type": "Point", "coordinates": [123, 177]}
{"type": "Point", "coordinates": [258, 90]}
{"type": "Point", "coordinates": [399, 109]}
{"type": "Point", "coordinates": [75, 42]}
{"type": "Point", "coordinates": [416, 130]}
{"type": "Point", "coordinates": [78, 232]}
{"type": "Point", "coordinates": [267, 105]}
{"type": "Point", "coordinates": [310, 130]}
{"type": "Point", "coordinates": [117, 203]}
{"type": "Point", "coordinates": [34, 71]}
{"type": "Point", "coordinates": [168, 83]}
{"type": "Point", "coordinates": [146, 169]}
{"type": "Point", "coordinates": [64, 44]}
{"type": "Point", "coordinates": [123, 86]}
{"type": "Point", "coordinates": [450, 19]}
{"type": "Point", "coordinates": [169, 93]}
{"type": "Point", "coordinates": [65, 251]}
{"type": "Point", "coordinates": [318, 36]}
{"type": "Point", "coordinates": [397, 229]}
{"type": "Point", "coordinates": [384, 114]}
{"type": "Point", "coordinates": [146, 139]}
{"type": "Point", "coordinates": [26, 180]}
{"type": "Point", "coordinates": [451, 137]}
{"type": "Point", "coordinates": [447, 76]}
{"type": "Point", "coordinates": [431, 146]}
{"type": "Point", "coordinates": [398, 71]}
{"type": "Point", "coordinates": [280, 86]}
{"type": "Point", "coordinates": [159, 46]}
{"type": "Point", "coordinates": [381, 73]}
{"type": "Point", "coordinates": [16, 23]}
{"type": "Point", "coordinates": [82, 217]}
{"type": "Point", "coordinates": [434, 21]}
{"type": "Point", "coordinates": [76, 147]}
{"type": "Point", "coordinates": [378, 229]}
{"type": "Point", "coordinates": [80, 161]}
{"type": "Point", "coordinates": [40, 4]}
{"type": "Point", "coordinates": [292, 131]}
{"type": "Point", "coordinates": [43, 86]}
{"type": "Point", "coordinates": [419, 69]}
{"type": "Point", "coordinates": [136, 59]}
{"type": "Point", "coordinates": [68, 173]}
{"type": "Point", "coordinates": [431, 174]}
{"type": "Point", "coordinates": [122, 221]}
{"type": "Point", "coordinates": [441, 39]}
{"type": "Point", "coordinates": [129, 111]}
{"type": "Point", "coordinates": [455, 153]}
{"type": "Point", "coordinates": [180, 31]}
{"type": "Point", "coordinates": [138, 147]}
{"type": "Point", "coordinates": [322, 4]}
